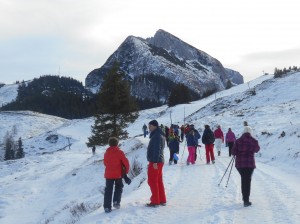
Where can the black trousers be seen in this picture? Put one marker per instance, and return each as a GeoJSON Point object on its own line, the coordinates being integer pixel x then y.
{"type": "Point", "coordinates": [230, 145]}
{"type": "Point", "coordinates": [109, 190]}
{"type": "Point", "coordinates": [246, 174]}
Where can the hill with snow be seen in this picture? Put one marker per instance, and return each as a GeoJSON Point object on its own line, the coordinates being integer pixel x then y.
{"type": "Point", "coordinates": [56, 183]}
{"type": "Point", "coordinates": [8, 93]}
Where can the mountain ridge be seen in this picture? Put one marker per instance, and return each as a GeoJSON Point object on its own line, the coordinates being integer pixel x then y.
{"type": "Point", "coordinates": [168, 56]}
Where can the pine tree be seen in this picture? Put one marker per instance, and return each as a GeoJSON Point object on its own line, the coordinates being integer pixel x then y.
{"type": "Point", "coordinates": [20, 152]}
{"type": "Point", "coordinates": [9, 147]}
{"type": "Point", "coordinates": [179, 94]}
{"type": "Point", "coordinates": [118, 109]}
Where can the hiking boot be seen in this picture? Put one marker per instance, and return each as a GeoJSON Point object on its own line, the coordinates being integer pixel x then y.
{"type": "Point", "coordinates": [163, 203]}
{"type": "Point", "coordinates": [150, 205]}
{"type": "Point", "coordinates": [116, 205]}
{"type": "Point", "coordinates": [247, 204]}
{"type": "Point", "coordinates": [208, 163]}
{"type": "Point", "coordinates": [107, 210]}
{"type": "Point", "coordinates": [213, 162]}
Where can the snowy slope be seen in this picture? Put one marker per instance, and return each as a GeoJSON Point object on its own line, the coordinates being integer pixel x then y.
{"type": "Point", "coordinates": [8, 93]}
{"type": "Point", "coordinates": [66, 186]}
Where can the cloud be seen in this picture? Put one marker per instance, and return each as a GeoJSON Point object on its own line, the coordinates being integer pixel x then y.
{"type": "Point", "coordinates": [80, 35]}
{"type": "Point", "coordinates": [254, 64]}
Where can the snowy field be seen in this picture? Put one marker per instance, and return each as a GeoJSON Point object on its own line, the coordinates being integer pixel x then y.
{"type": "Point", "coordinates": [8, 93]}
{"type": "Point", "coordinates": [56, 183]}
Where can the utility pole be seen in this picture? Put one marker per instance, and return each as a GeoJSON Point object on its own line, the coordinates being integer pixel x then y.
{"type": "Point", "coordinates": [184, 115]}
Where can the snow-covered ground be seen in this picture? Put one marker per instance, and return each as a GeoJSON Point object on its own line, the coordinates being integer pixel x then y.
{"type": "Point", "coordinates": [58, 184]}
{"type": "Point", "coordinates": [8, 93]}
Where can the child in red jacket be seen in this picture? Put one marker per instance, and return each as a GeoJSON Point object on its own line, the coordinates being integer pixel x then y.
{"type": "Point", "coordinates": [114, 161]}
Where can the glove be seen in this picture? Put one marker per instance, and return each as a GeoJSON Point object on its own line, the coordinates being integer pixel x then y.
{"type": "Point", "coordinates": [127, 179]}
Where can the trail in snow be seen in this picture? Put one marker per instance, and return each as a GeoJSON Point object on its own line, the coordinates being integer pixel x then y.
{"type": "Point", "coordinates": [193, 196]}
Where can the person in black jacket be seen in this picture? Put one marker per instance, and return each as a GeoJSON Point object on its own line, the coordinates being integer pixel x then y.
{"type": "Point", "coordinates": [208, 140]}
{"type": "Point", "coordinates": [155, 157]}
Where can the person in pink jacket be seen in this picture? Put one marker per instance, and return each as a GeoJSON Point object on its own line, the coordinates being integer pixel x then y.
{"type": "Point", "coordinates": [230, 139]}
{"type": "Point", "coordinates": [219, 136]}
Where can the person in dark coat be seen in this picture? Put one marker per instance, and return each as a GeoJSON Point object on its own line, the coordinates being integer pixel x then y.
{"type": "Point", "coordinates": [243, 150]}
{"type": "Point", "coordinates": [230, 139]}
{"type": "Point", "coordinates": [173, 146]}
{"type": "Point", "coordinates": [182, 132]}
{"type": "Point", "coordinates": [155, 157]}
{"type": "Point", "coordinates": [145, 130]}
{"type": "Point", "coordinates": [116, 164]}
{"type": "Point", "coordinates": [208, 140]}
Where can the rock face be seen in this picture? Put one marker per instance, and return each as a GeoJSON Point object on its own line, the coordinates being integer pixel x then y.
{"type": "Point", "coordinates": [153, 62]}
{"type": "Point", "coordinates": [235, 77]}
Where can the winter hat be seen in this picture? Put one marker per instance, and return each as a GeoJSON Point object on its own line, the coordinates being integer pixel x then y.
{"type": "Point", "coordinates": [247, 129]}
{"type": "Point", "coordinates": [154, 123]}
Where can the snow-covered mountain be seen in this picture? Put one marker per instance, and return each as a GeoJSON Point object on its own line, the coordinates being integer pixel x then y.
{"type": "Point", "coordinates": [58, 184]}
{"type": "Point", "coordinates": [168, 56]}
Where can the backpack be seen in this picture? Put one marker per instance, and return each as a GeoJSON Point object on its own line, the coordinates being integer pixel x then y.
{"type": "Point", "coordinates": [210, 137]}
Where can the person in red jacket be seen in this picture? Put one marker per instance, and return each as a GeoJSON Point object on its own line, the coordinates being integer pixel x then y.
{"type": "Point", "coordinates": [114, 161]}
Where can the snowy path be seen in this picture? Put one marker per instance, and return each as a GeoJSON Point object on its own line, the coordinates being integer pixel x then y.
{"type": "Point", "coordinates": [194, 196]}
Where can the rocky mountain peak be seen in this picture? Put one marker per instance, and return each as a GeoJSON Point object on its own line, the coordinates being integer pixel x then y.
{"type": "Point", "coordinates": [163, 55]}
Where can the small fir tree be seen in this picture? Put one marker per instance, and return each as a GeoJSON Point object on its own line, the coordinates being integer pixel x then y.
{"type": "Point", "coordinates": [9, 147]}
{"type": "Point", "coordinates": [118, 109]}
{"type": "Point", "coordinates": [20, 152]}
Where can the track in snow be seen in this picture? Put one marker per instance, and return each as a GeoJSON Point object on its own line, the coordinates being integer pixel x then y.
{"type": "Point", "coordinates": [193, 196]}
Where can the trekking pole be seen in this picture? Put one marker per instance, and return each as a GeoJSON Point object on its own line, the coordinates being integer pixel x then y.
{"type": "Point", "coordinates": [231, 161]}
{"type": "Point", "coordinates": [230, 171]}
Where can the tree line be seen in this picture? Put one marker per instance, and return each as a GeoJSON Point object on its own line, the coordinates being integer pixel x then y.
{"type": "Point", "coordinates": [279, 72]}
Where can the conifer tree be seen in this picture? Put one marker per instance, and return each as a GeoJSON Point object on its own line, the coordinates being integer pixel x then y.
{"type": "Point", "coordinates": [20, 152]}
{"type": "Point", "coordinates": [9, 147]}
{"type": "Point", "coordinates": [179, 94]}
{"type": "Point", "coordinates": [118, 108]}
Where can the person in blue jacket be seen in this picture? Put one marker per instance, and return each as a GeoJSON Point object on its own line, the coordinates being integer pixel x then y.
{"type": "Point", "coordinates": [155, 157]}
{"type": "Point", "coordinates": [197, 137]}
{"type": "Point", "coordinates": [191, 142]}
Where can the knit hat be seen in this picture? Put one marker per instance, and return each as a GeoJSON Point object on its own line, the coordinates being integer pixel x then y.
{"type": "Point", "coordinates": [247, 129]}
{"type": "Point", "coordinates": [154, 123]}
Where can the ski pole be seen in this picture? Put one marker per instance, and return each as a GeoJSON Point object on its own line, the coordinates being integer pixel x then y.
{"type": "Point", "coordinates": [226, 170]}
{"type": "Point", "coordinates": [230, 172]}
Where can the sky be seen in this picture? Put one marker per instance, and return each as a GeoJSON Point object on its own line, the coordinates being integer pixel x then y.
{"type": "Point", "coordinates": [73, 37]}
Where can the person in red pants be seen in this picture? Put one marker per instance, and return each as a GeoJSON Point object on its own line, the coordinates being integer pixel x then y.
{"type": "Point", "coordinates": [208, 140]}
{"type": "Point", "coordinates": [155, 157]}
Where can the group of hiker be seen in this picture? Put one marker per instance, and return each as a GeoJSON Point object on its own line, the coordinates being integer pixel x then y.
{"type": "Point", "coordinates": [117, 165]}
{"type": "Point", "coordinates": [175, 135]}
